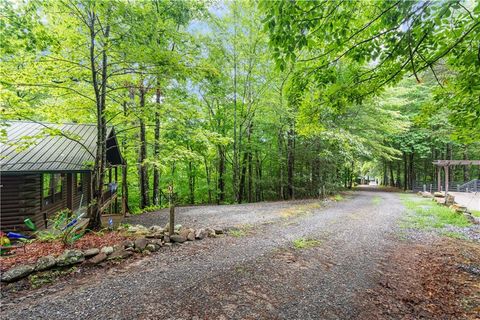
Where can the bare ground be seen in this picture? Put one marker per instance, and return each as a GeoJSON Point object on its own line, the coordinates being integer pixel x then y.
{"type": "Point", "coordinates": [359, 269]}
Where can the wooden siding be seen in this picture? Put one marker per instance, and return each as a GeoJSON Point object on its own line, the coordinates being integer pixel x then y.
{"type": "Point", "coordinates": [20, 199]}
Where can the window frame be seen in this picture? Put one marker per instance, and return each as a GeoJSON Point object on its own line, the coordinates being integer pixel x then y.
{"type": "Point", "coordinates": [56, 185]}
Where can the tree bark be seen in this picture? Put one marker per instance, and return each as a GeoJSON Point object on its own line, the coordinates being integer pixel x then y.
{"type": "Point", "coordinates": [191, 182]}
{"type": "Point", "coordinates": [221, 175]}
{"type": "Point", "coordinates": [99, 82]}
{"type": "Point", "coordinates": [392, 179]}
{"type": "Point", "coordinates": [291, 161]}
{"type": "Point", "coordinates": [156, 154]}
{"type": "Point", "coordinates": [142, 156]}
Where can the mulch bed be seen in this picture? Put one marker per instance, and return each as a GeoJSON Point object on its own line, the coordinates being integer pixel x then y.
{"type": "Point", "coordinates": [427, 282]}
{"type": "Point", "coordinates": [37, 249]}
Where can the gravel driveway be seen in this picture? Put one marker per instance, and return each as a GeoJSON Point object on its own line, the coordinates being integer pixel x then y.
{"type": "Point", "coordinates": [257, 276]}
{"type": "Point", "coordinates": [222, 215]}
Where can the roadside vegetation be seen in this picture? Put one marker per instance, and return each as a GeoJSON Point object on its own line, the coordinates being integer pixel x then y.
{"type": "Point", "coordinates": [429, 216]}
{"type": "Point", "coordinates": [304, 243]}
{"type": "Point", "coordinates": [241, 231]}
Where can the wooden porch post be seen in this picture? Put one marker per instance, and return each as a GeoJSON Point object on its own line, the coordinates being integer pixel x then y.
{"type": "Point", "coordinates": [116, 181]}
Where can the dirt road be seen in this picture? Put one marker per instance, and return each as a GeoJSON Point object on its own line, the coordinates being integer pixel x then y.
{"type": "Point", "coordinates": [258, 274]}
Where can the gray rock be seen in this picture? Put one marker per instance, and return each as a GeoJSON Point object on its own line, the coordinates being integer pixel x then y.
{"type": "Point", "coordinates": [120, 254]}
{"type": "Point", "coordinates": [426, 194]}
{"type": "Point", "coordinates": [152, 247]}
{"type": "Point", "coordinates": [156, 229]}
{"type": "Point", "coordinates": [201, 234]}
{"type": "Point", "coordinates": [138, 229]}
{"type": "Point", "coordinates": [210, 232]}
{"type": "Point", "coordinates": [158, 235]}
{"type": "Point", "coordinates": [183, 232]}
{"type": "Point", "coordinates": [178, 238]}
{"type": "Point", "coordinates": [91, 252]}
{"type": "Point", "coordinates": [128, 244]}
{"type": "Point", "coordinates": [166, 239]}
{"type": "Point", "coordinates": [107, 250]}
{"type": "Point", "coordinates": [44, 263]}
{"type": "Point", "coordinates": [102, 256]}
{"type": "Point", "coordinates": [157, 242]}
{"type": "Point", "coordinates": [140, 244]}
{"type": "Point", "coordinates": [191, 236]}
{"type": "Point", "coordinates": [18, 272]}
{"type": "Point", "coordinates": [69, 257]}
{"type": "Point", "coordinates": [218, 230]}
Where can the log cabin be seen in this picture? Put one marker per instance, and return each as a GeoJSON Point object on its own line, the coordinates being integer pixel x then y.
{"type": "Point", "coordinates": [45, 168]}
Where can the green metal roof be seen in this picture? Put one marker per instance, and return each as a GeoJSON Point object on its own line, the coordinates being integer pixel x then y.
{"type": "Point", "coordinates": [48, 147]}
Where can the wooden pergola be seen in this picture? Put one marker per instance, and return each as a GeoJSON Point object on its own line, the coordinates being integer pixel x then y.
{"type": "Point", "coordinates": [446, 164]}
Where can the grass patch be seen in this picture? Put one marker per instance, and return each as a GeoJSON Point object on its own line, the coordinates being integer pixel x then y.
{"type": "Point", "coordinates": [376, 200]}
{"type": "Point", "coordinates": [299, 210]}
{"type": "Point", "coordinates": [453, 234]}
{"type": "Point", "coordinates": [426, 214]}
{"type": "Point", "coordinates": [240, 231]}
{"type": "Point", "coordinates": [237, 233]}
{"type": "Point", "coordinates": [476, 213]}
{"type": "Point", "coordinates": [303, 243]}
{"type": "Point", "coordinates": [338, 197]}
{"type": "Point", "coordinates": [43, 278]}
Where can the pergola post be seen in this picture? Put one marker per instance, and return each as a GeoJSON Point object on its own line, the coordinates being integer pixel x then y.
{"type": "Point", "coordinates": [439, 179]}
{"type": "Point", "coordinates": [446, 180]}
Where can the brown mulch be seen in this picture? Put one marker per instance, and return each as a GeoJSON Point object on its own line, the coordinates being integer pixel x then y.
{"type": "Point", "coordinates": [37, 249]}
{"type": "Point", "coordinates": [439, 281]}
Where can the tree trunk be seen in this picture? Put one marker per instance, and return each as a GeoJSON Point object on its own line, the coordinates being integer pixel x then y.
{"type": "Point", "coordinates": [411, 171]}
{"type": "Point", "coordinates": [449, 153]}
{"type": "Point", "coordinates": [241, 187]}
{"type": "Point", "coordinates": [142, 156]}
{"type": "Point", "coordinates": [209, 179]}
{"type": "Point", "coordinates": [280, 162]}
{"type": "Point", "coordinates": [291, 162]}
{"type": "Point", "coordinates": [258, 178]}
{"type": "Point", "coordinates": [235, 146]}
{"type": "Point", "coordinates": [405, 172]}
{"type": "Point", "coordinates": [125, 168]}
{"type": "Point", "coordinates": [392, 179]}
{"type": "Point", "coordinates": [156, 155]}
{"type": "Point", "coordinates": [191, 182]}
{"type": "Point", "coordinates": [398, 183]}
{"type": "Point", "coordinates": [99, 83]}
{"type": "Point", "coordinates": [466, 174]}
{"type": "Point", "coordinates": [221, 175]}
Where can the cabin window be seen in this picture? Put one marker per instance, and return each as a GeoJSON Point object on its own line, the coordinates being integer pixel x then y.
{"type": "Point", "coordinates": [79, 182]}
{"type": "Point", "coordinates": [52, 188]}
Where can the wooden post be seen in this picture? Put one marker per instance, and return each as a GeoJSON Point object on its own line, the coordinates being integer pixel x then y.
{"type": "Point", "coordinates": [446, 179]}
{"type": "Point", "coordinates": [439, 179]}
{"type": "Point", "coordinates": [172, 210]}
{"type": "Point", "coordinates": [116, 191]}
